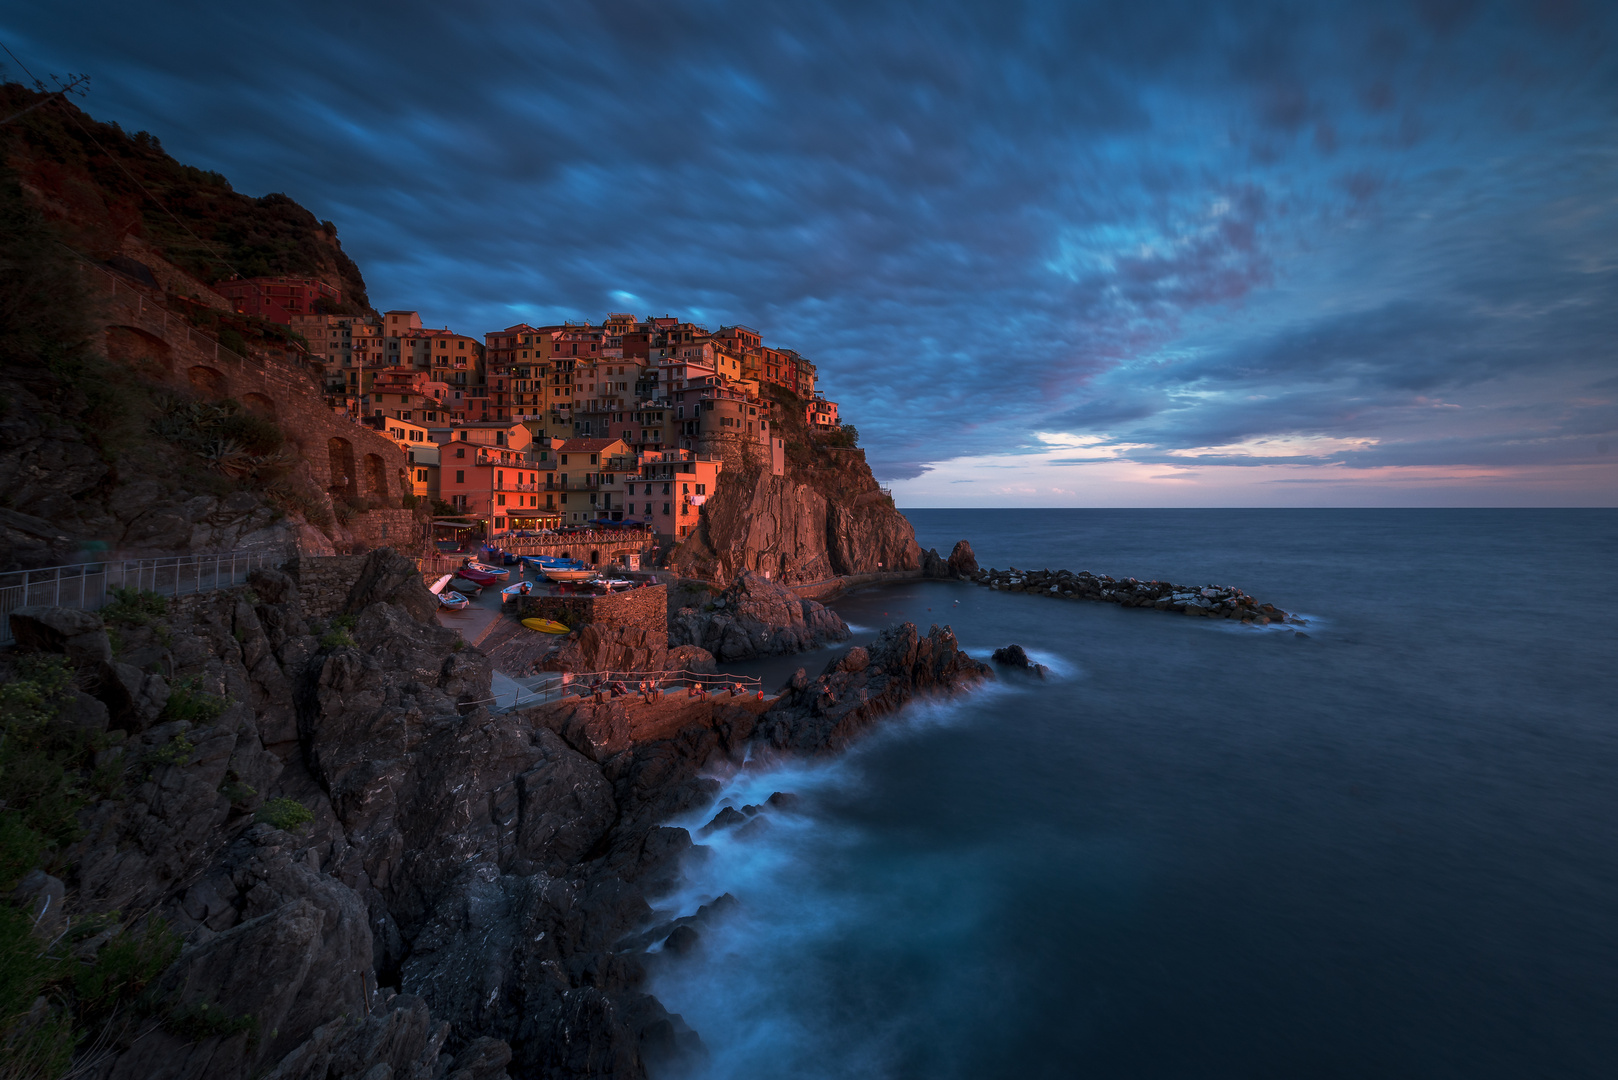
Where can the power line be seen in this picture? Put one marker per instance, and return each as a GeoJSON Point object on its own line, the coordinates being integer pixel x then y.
{"type": "Point", "coordinates": [118, 162]}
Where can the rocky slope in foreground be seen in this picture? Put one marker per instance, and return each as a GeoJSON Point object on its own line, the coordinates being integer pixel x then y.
{"type": "Point", "coordinates": [471, 894]}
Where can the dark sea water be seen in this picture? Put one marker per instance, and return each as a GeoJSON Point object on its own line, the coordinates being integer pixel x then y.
{"type": "Point", "coordinates": [1386, 849]}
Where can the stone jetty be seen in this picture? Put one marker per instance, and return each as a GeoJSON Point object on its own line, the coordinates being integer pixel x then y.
{"type": "Point", "coordinates": [1207, 601]}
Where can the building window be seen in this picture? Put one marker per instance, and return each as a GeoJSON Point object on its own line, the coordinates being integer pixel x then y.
{"type": "Point", "coordinates": [460, 476]}
{"type": "Point", "coordinates": [500, 499]}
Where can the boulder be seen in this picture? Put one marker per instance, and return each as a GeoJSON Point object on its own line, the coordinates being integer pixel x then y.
{"type": "Point", "coordinates": [389, 577]}
{"type": "Point", "coordinates": [962, 563]}
{"type": "Point", "coordinates": [757, 617]}
{"type": "Point", "coordinates": [1013, 656]}
{"type": "Point", "coordinates": [863, 684]}
{"type": "Point", "coordinates": [77, 634]}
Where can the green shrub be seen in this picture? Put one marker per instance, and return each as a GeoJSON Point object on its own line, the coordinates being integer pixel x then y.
{"type": "Point", "coordinates": [288, 814]}
{"type": "Point", "coordinates": [177, 751]}
{"type": "Point", "coordinates": [189, 702]}
{"type": "Point", "coordinates": [124, 967]}
{"type": "Point", "coordinates": [258, 435]}
{"type": "Point", "coordinates": [338, 639]}
{"type": "Point", "coordinates": [29, 1048]}
{"type": "Point", "coordinates": [40, 752]}
{"type": "Point", "coordinates": [135, 607]}
{"type": "Point", "coordinates": [232, 339]}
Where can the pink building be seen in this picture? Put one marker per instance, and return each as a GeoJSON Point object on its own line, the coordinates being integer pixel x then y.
{"type": "Point", "coordinates": [277, 298]}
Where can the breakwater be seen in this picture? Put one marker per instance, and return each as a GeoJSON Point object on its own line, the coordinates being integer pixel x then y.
{"type": "Point", "coordinates": [1208, 601]}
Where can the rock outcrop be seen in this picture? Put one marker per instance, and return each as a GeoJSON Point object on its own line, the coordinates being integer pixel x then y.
{"type": "Point", "coordinates": [756, 617]}
{"type": "Point", "coordinates": [811, 524]}
{"type": "Point", "coordinates": [1211, 601]}
{"type": "Point", "coordinates": [460, 893]}
{"type": "Point", "coordinates": [821, 714]}
{"type": "Point", "coordinates": [960, 565]}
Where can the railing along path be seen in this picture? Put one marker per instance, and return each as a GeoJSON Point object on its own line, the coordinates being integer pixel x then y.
{"type": "Point", "coordinates": [90, 585]}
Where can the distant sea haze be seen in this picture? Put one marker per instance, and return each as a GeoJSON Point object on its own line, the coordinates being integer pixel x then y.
{"type": "Point", "coordinates": [1388, 848]}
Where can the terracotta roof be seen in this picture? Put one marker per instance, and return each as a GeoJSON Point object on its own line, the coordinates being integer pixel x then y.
{"type": "Point", "coordinates": [587, 446]}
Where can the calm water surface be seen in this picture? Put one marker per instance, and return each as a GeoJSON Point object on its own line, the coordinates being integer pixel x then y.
{"type": "Point", "coordinates": [1389, 848]}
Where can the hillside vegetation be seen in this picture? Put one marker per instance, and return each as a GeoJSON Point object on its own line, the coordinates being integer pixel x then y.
{"type": "Point", "coordinates": [89, 177]}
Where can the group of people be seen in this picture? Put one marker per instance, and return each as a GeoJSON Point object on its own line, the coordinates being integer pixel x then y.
{"type": "Point", "coordinates": [650, 690]}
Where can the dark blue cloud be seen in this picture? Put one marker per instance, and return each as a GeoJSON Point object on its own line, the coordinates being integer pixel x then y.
{"type": "Point", "coordinates": [1175, 225]}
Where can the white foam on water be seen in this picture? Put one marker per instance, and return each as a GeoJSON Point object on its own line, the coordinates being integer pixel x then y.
{"type": "Point", "coordinates": [750, 988]}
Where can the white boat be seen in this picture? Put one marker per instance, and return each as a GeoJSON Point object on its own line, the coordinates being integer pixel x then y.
{"type": "Point", "coordinates": [511, 592]}
{"type": "Point", "coordinates": [437, 587]}
{"type": "Point", "coordinates": [560, 574]}
{"type": "Point", "coordinates": [453, 600]}
{"type": "Point", "coordinates": [615, 583]}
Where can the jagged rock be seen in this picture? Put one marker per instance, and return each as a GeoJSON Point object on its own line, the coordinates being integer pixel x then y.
{"type": "Point", "coordinates": [757, 617]}
{"type": "Point", "coordinates": [691, 658]}
{"type": "Point", "coordinates": [389, 577]}
{"type": "Point", "coordinates": [1013, 656]}
{"type": "Point", "coordinates": [862, 684]}
{"type": "Point", "coordinates": [808, 525]}
{"type": "Point", "coordinates": [610, 648]}
{"type": "Point", "coordinates": [76, 634]}
{"type": "Point", "coordinates": [962, 563]}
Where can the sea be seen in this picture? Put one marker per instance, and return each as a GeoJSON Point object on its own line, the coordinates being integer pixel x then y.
{"type": "Point", "coordinates": [1382, 842]}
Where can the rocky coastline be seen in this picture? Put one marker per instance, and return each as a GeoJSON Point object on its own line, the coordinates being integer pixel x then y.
{"type": "Point", "coordinates": [1207, 601]}
{"type": "Point", "coordinates": [363, 870]}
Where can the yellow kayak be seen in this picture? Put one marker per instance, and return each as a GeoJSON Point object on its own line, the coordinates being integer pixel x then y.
{"type": "Point", "coordinates": [546, 626]}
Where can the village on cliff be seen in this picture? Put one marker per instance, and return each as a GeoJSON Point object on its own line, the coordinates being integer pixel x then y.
{"type": "Point", "coordinates": [626, 424]}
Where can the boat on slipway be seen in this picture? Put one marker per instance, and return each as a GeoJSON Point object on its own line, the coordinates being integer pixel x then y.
{"type": "Point", "coordinates": [510, 593]}
{"type": "Point", "coordinates": [485, 568]}
{"type": "Point", "coordinates": [567, 573]}
{"type": "Point", "coordinates": [448, 598]}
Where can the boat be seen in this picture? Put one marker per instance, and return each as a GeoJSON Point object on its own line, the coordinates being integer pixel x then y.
{"type": "Point", "coordinates": [615, 583]}
{"type": "Point", "coordinates": [559, 573]}
{"type": "Point", "coordinates": [480, 577]}
{"type": "Point", "coordinates": [466, 587]}
{"type": "Point", "coordinates": [485, 568]}
{"type": "Point", "coordinates": [546, 626]}
{"type": "Point", "coordinates": [511, 592]}
{"type": "Point", "coordinates": [540, 562]}
{"type": "Point", "coordinates": [448, 598]}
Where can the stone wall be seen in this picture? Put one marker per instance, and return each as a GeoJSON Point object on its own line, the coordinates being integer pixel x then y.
{"type": "Point", "coordinates": [324, 581]}
{"type": "Point", "coordinates": [340, 457]}
{"type": "Point", "coordinates": [642, 609]}
{"type": "Point", "coordinates": [389, 528]}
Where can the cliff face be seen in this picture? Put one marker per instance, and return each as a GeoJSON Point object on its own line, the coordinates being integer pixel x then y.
{"type": "Point", "coordinates": [125, 431]}
{"type": "Point", "coordinates": [822, 519]}
{"type": "Point", "coordinates": [76, 168]}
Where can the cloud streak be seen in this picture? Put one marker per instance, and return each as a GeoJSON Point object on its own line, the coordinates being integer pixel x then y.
{"type": "Point", "coordinates": [1171, 229]}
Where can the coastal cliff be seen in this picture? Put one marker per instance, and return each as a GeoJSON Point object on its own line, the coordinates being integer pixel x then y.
{"type": "Point", "coordinates": [330, 856]}
{"type": "Point", "coordinates": [825, 516]}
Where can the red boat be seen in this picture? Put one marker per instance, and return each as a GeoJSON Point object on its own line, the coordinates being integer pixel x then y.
{"type": "Point", "coordinates": [477, 575]}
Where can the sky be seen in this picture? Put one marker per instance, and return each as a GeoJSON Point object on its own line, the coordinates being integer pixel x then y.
{"type": "Point", "coordinates": [1044, 254]}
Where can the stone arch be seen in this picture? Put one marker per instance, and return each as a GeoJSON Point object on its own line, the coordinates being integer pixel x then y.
{"type": "Point", "coordinates": [344, 479]}
{"type": "Point", "coordinates": [376, 476]}
{"type": "Point", "coordinates": [260, 404]}
{"type": "Point", "coordinates": [595, 558]}
{"type": "Point", "coordinates": [207, 381]}
{"type": "Point", "coordinates": [132, 345]}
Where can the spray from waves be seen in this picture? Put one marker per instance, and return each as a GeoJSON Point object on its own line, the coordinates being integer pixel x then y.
{"type": "Point", "coordinates": [1060, 666]}
{"type": "Point", "coordinates": [766, 988]}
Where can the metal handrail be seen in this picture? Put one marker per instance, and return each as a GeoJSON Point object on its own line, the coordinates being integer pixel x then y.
{"type": "Point", "coordinates": [90, 585]}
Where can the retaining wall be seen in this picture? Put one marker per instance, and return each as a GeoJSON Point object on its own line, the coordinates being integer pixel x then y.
{"type": "Point", "coordinates": [643, 609]}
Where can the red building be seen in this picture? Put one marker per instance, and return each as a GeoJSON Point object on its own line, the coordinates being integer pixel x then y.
{"type": "Point", "coordinates": [277, 298]}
